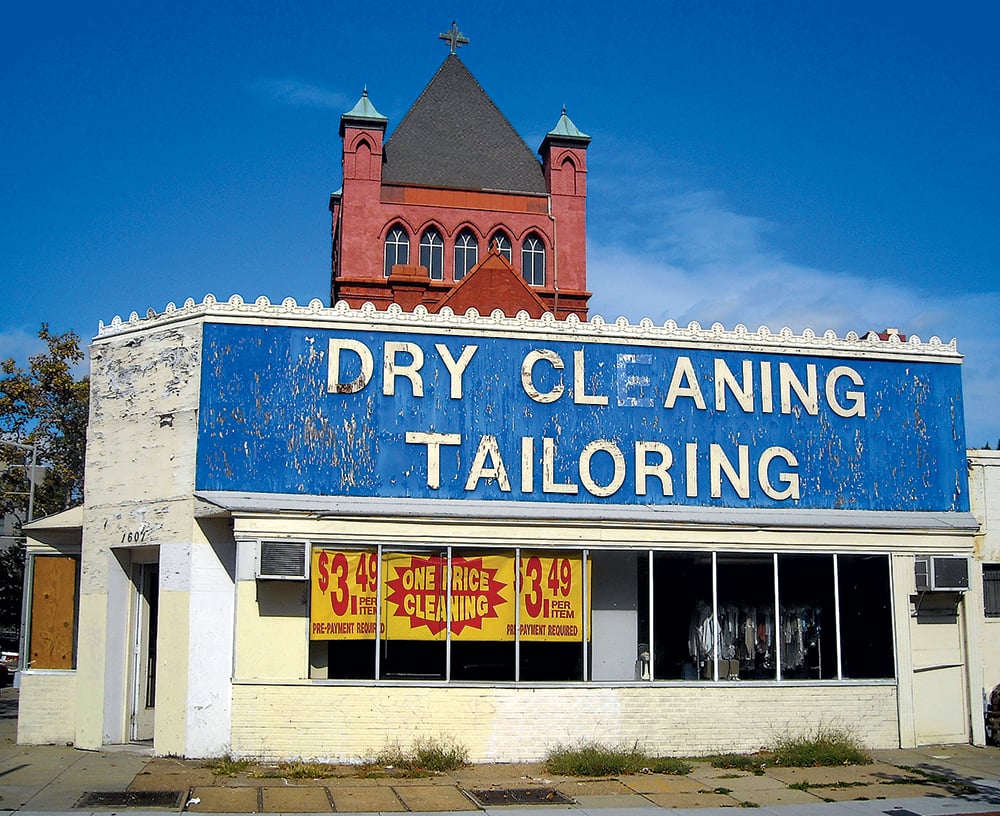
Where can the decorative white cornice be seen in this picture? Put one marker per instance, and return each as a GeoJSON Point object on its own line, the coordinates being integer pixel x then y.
{"type": "Point", "coordinates": [621, 330]}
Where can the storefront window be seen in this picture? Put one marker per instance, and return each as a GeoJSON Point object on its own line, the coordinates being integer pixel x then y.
{"type": "Point", "coordinates": [808, 632]}
{"type": "Point", "coordinates": [415, 611]}
{"type": "Point", "coordinates": [682, 615]}
{"type": "Point", "coordinates": [747, 629]}
{"type": "Point", "coordinates": [552, 626]}
{"type": "Point", "coordinates": [597, 615]}
{"type": "Point", "coordinates": [865, 617]}
{"type": "Point", "coordinates": [482, 615]}
{"type": "Point", "coordinates": [619, 607]}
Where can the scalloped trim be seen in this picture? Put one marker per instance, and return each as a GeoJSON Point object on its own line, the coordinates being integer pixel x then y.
{"type": "Point", "coordinates": [597, 326]}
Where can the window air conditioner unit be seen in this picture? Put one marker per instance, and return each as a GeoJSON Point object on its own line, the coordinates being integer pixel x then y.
{"type": "Point", "coordinates": [941, 573]}
{"type": "Point", "coordinates": [283, 561]}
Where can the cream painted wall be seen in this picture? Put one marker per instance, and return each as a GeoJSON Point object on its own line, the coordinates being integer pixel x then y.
{"type": "Point", "coordinates": [140, 476]}
{"type": "Point", "coordinates": [272, 630]}
{"type": "Point", "coordinates": [351, 723]}
{"type": "Point", "coordinates": [984, 489]}
{"type": "Point", "coordinates": [47, 708]}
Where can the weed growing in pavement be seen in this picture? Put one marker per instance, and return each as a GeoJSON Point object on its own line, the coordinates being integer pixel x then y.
{"type": "Point", "coordinates": [301, 770]}
{"type": "Point", "coordinates": [426, 756]}
{"type": "Point", "coordinates": [594, 759]}
{"type": "Point", "coordinates": [229, 766]}
{"type": "Point", "coordinates": [439, 755]}
{"type": "Point", "coordinates": [808, 786]}
{"type": "Point", "coordinates": [668, 765]}
{"type": "Point", "coordinates": [826, 746]}
{"type": "Point", "coordinates": [751, 763]}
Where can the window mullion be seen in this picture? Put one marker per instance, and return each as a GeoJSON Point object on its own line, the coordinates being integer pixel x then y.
{"type": "Point", "coordinates": [836, 615]}
{"type": "Point", "coordinates": [715, 616]}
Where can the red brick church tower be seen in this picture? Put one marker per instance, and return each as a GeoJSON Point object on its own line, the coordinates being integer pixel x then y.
{"type": "Point", "coordinates": [455, 210]}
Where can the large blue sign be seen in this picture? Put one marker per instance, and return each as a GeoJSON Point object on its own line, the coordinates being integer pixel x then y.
{"type": "Point", "coordinates": [383, 413]}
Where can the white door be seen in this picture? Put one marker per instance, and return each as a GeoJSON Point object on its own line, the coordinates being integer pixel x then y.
{"type": "Point", "coordinates": [940, 686]}
{"type": "Point", "coordinates": [146, 582]}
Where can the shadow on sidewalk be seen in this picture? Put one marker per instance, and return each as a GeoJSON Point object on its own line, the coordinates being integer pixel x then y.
{"type": "Point", "coordinates": [8, 703]}
{"type": "Point", "coordinates": [961, 786]}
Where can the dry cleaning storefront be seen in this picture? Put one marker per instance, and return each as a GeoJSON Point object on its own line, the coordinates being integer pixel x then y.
{"type": "Point", "coordinates": [317, 532]}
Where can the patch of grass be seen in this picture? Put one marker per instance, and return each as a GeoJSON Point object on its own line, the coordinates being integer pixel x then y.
{"type": "Point", "coordinates": [748, 804]}
{"type": "Point", "coordinates": [425, 757]}
{"type": "Point", "coordinates": [826, 746]}
{"type": "Point", "coordinates": [438, 755]}
{"type": "Point", "coordinates": [751, 763]}
{"type": "Point", "coordinates": [668, 765]}
{"type": "Point", "coordinates": [229, 766]}
{"type": "Point", "coordinates": [595, 759]}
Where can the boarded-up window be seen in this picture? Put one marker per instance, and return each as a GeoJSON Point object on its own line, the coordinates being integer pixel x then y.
{"type": "Point", "coordinates": [53, 613]}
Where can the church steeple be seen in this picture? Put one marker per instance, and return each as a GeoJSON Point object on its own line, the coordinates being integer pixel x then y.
{"type": "Point", "coordinates": [363, 114]}
{"type": "Point", "coordinates": [454, 209]}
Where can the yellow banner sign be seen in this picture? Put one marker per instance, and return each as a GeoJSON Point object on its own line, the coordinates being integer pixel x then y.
{"type": "Point", "coordinates": [417, 605]}
{"type": "Point", "coordinates": [344, 597]}
{"type": "Point", "coordinates": [552, 597]}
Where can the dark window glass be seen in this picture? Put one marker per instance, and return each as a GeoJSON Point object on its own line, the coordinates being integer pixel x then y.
{"type": "Point", "coordinates": [682, 615]}
{"type": "Point", "coordinates": [808, 632]}
{"type": "Point", "coordinates": [432, 254]}
{"type": "Point", "coordinates": [533, 261]}
{"type": "Point", "coordinates": [747, 628]}
{"type": "Point", "coordinates": [865, 617]}
{"type": "Point", "coordinates": [397, 249]}
{"type": "Point", "coordinates": [991, 590]}
{"type": "Point", "coordinates": [466, 254]}
{"type": "Point", "coordinates": [350, 659]}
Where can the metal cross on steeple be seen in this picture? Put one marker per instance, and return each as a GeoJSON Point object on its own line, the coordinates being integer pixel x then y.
{"type": "Point", "coordinates": [453, 37]}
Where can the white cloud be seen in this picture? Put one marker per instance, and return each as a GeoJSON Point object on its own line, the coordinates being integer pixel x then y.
{"type": "Point", "coordinates": [293, 93]}
{"type": "Point", "coordinates": [710, 264]}
{"type": "Point", "coordinates": [18, 345]}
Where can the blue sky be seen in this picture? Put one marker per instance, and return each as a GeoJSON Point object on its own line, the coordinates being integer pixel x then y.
{"type": "Point", "coordinates": [810, 165]}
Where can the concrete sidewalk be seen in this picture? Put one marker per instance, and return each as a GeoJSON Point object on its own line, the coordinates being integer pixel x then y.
{"type": "Point", "coordinates": [939, 781]}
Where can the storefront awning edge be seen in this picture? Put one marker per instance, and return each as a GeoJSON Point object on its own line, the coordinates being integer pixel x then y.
{"type": "Point", "coordinates": [659, 515]}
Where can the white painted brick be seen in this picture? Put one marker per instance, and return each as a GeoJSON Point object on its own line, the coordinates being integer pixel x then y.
{"type": "Point", "coordinates": [47, 708]}
{"type": "Point", "coordinates": [345, 723]}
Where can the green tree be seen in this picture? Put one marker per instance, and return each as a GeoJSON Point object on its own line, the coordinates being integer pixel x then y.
{"type": "Point", "coordinates": [46, 405]}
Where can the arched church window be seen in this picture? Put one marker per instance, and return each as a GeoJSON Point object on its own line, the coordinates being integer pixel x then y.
{"type": "Point", "coordinates": [432, 254]}
{"type": "Point", "coordinates": [397, 249]}
{"type": "Point", "coordinates": [502, 242]}
{"type": "Point", "coordinates": [466, 254]}
{"type": "Point", "coordinates": [533, 260]}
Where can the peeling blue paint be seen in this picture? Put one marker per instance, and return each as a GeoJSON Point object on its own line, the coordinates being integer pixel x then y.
{"type": "Point", "coordinates": [272, 421]}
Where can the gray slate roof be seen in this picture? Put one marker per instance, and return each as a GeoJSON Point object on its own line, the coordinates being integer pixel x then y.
{"type": "Point", "coordinates": [454, 136]}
